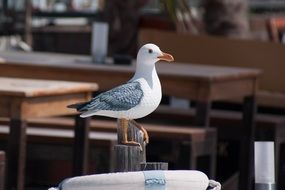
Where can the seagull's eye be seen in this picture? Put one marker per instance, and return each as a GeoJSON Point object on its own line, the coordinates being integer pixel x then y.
{"type": "Point", "coordinates": [150, 51]}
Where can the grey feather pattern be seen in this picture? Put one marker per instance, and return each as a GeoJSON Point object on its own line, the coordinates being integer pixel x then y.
{"type": "Point", "coordinates": [121, 98]}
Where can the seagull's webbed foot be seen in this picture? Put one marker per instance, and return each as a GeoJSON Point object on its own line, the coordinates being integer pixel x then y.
{"type": "Point", "coordinates": [145, 134]}
{"type": "Point", "coordinates": [124, 125]}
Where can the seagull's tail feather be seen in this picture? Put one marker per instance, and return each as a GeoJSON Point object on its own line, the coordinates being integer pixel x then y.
{"type": "Point", "coordinates": [78, 106]}
{"type": "Point", "coordinates": [88, 113]}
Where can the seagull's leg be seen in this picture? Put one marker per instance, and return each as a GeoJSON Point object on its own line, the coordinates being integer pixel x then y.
{"type": "Point", "coordinates": [145, 134]}
{"type": "Point", "coordinates": [124, 124]}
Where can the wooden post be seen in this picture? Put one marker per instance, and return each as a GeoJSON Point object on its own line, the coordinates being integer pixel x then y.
{"type": "Point", "coordinates": [129, 158]}
{"type": "Point", "coordinates": [133, 158]}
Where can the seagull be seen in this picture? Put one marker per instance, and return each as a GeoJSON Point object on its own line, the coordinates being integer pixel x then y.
{"type": "Point", "coordinates": [135, 99]}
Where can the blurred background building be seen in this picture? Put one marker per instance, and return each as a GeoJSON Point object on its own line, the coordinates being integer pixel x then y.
{"type": "Point", "coordinates": [55, 25]}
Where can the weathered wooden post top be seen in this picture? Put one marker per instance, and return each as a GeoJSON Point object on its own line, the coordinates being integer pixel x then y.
{"type": "Point", "coordinates": [133, 157]}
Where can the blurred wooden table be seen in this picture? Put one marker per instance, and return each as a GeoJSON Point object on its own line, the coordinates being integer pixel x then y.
{"type": "Point", "coordinates": [21, 99]}
{"type": "Point", "coordinates": [191, 81]}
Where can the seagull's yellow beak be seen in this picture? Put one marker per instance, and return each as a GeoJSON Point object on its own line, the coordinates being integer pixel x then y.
{"type": "Point", "coordinates": [166, 57]}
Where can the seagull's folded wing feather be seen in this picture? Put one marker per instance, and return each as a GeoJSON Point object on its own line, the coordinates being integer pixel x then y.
{"type": "Point", "coordinates": [121, 98]}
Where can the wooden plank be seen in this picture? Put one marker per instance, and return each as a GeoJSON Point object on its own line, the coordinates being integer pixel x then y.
{"type": "Point", "coordinates": [183, 88]}
{"type": "Point", "coordinates": [155, 130]}
{"type": "Point", "coordinates": [60, 136]}
{"type": "Point", "coordinates": [270, 99]}
{"type": "Point", "coordinates": [201, 72]}
{"type": "Point", "coordinates": [169, 86]}
{"type": "Point", "coordinates": [56, 105]}
{"type": "Point", "coordinates": [205, 72]}
{"type": "Point", "coordinates": [35, 88]}
{"type": "Point", "coordinates": [208, 90]}
{"type": "Point", "coordinates": [227, 90]}
{"type": "Point", "coordinates": [90, 72]}
{"type": "Point", "coordinates": [54, 72]}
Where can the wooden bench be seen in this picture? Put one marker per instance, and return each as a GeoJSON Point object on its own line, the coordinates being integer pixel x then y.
{"type": "Point", "coordinates": [200, 141]}
{"type": "Point", "coordinates": [269, 127]}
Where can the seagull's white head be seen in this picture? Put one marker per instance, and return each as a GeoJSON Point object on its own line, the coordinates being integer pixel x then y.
{"type": "Point", "coordinates": [150, 54]}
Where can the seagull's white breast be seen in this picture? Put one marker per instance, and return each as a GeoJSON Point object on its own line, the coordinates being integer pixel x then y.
{"type": "Point", "coordinates": [150, 101]}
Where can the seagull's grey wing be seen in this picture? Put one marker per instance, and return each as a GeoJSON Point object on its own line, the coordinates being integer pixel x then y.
{"type": "Point", "coordinates": [121, 98]}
